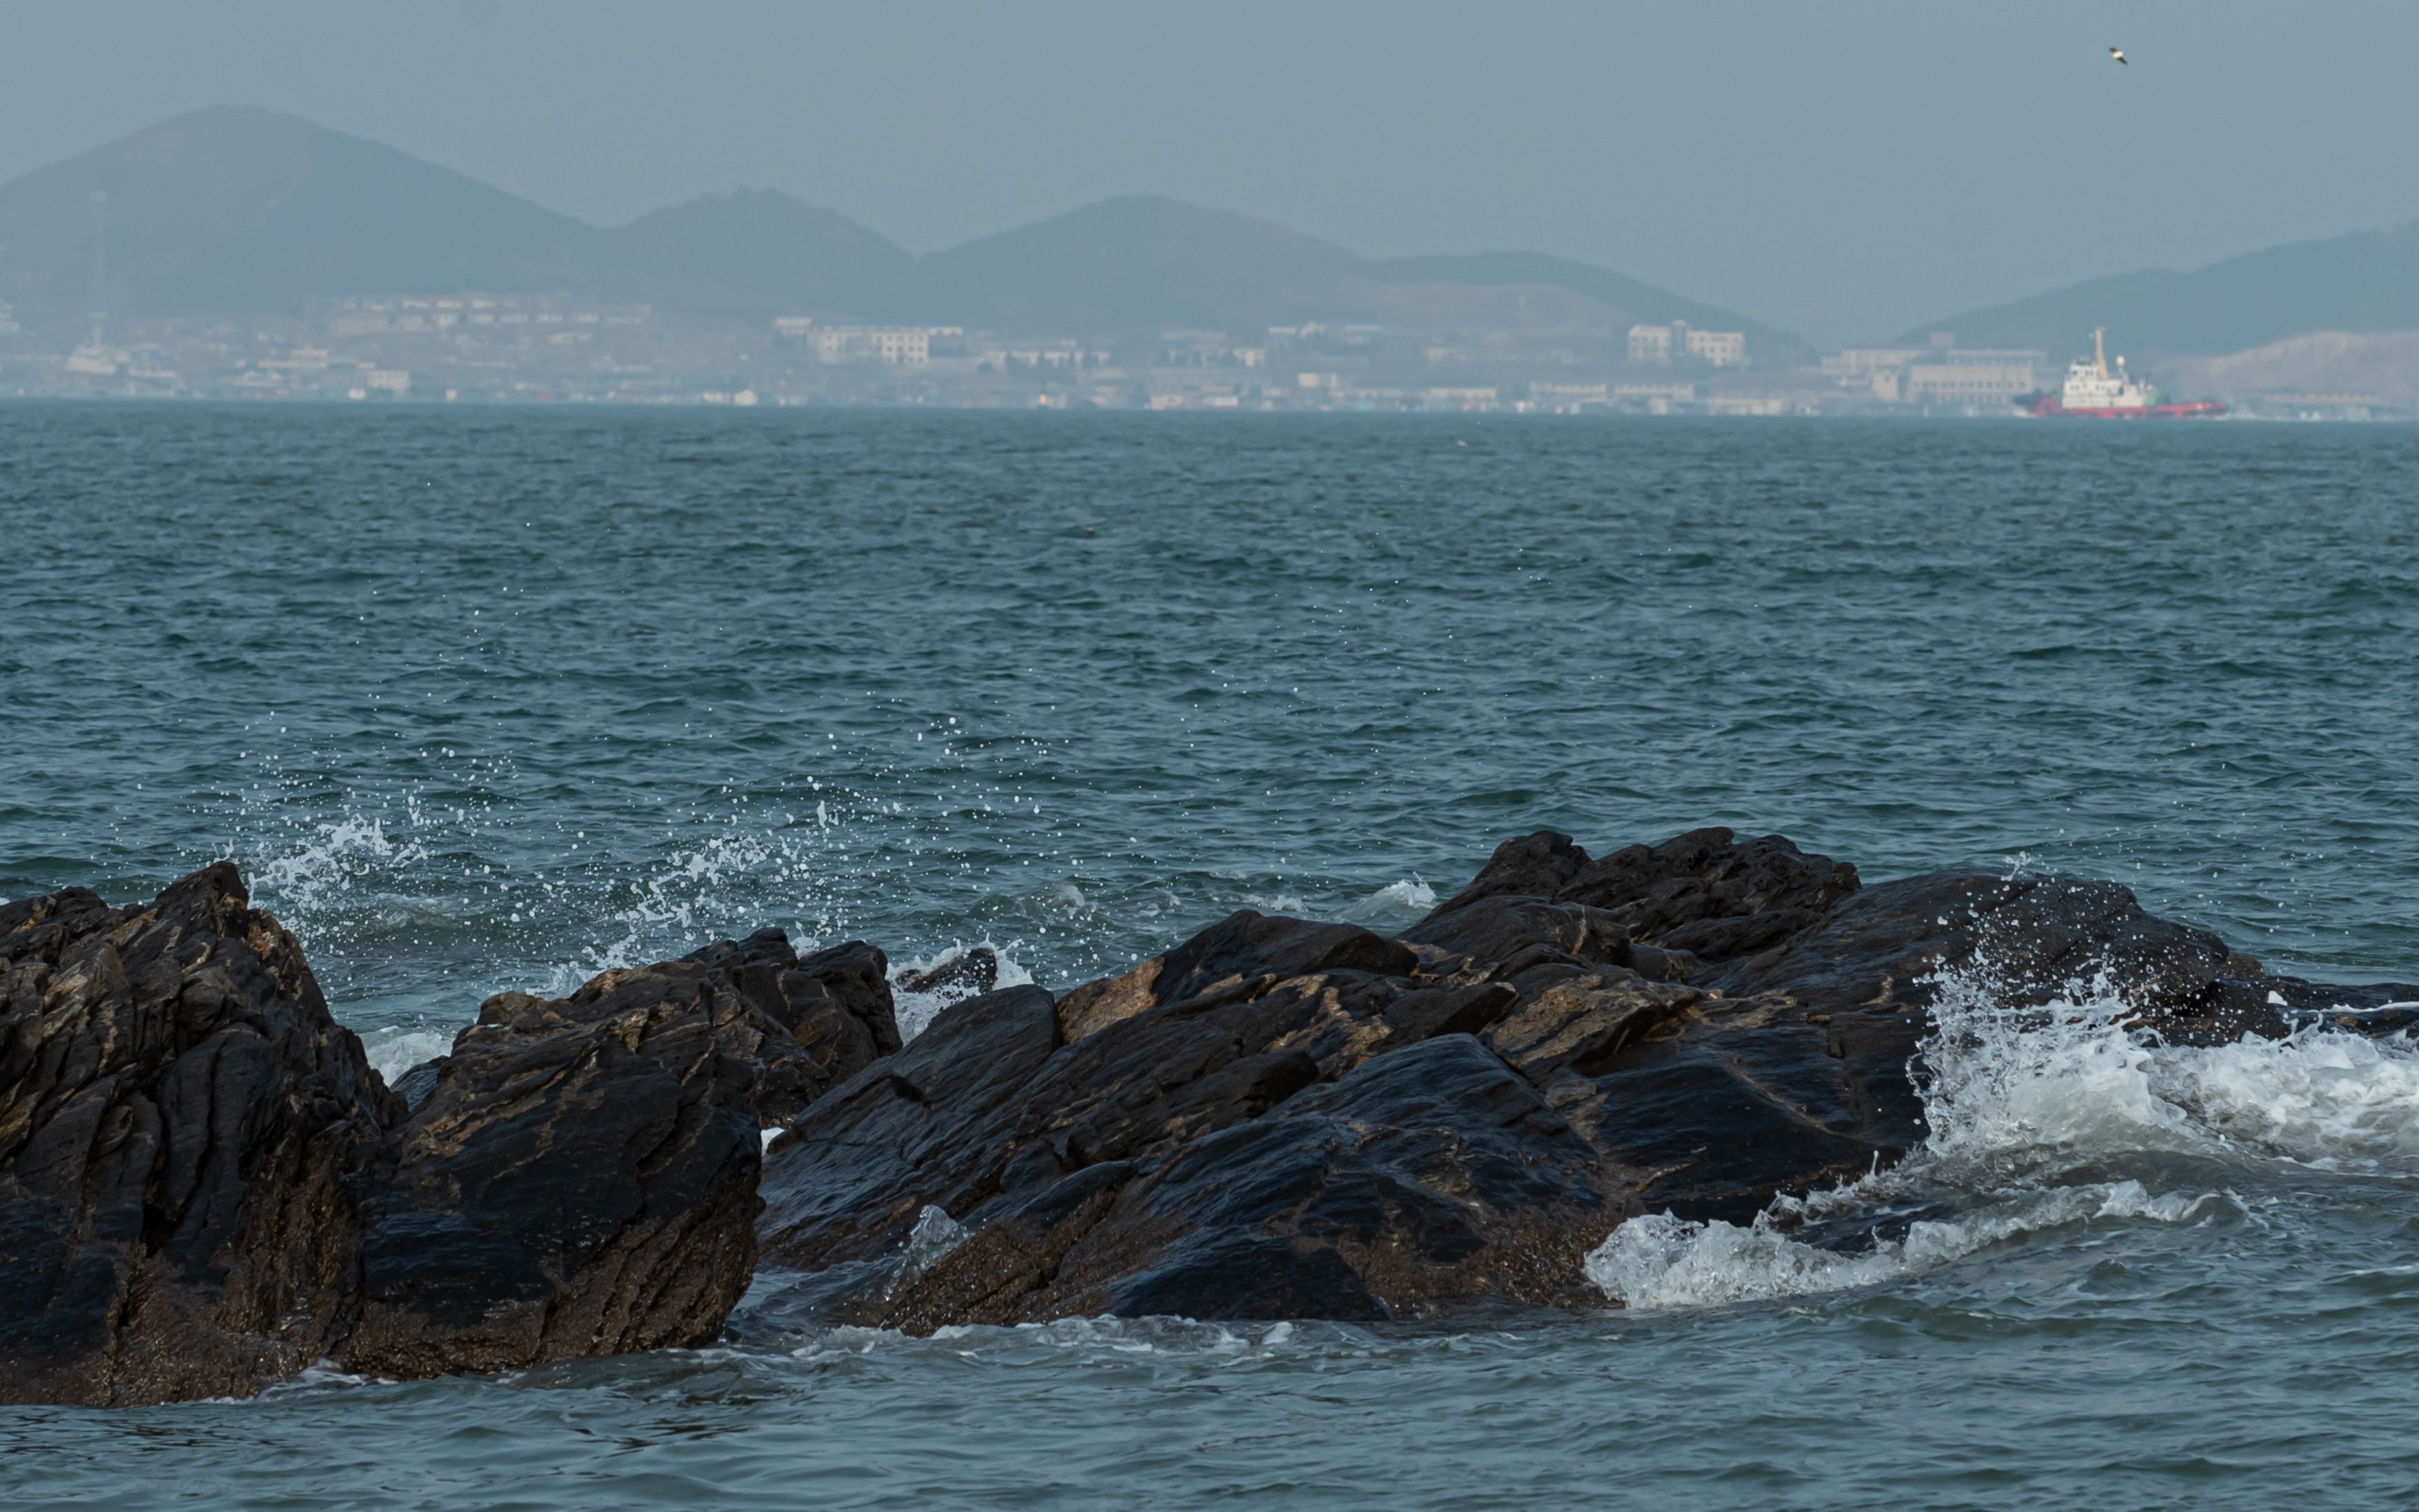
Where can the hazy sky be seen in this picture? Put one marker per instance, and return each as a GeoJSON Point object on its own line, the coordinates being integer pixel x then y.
{"type": "Point", "coordinates": [1845, 167]}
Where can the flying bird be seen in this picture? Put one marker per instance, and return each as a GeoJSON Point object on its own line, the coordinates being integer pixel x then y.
{"type": "Point", "coordinates": [2118, 54]}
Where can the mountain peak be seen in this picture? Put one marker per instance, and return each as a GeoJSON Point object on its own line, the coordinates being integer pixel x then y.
{"type": "Point", "coordinates": [2362, 282]}
{"type": "Point", "coordinates": [241, 210]}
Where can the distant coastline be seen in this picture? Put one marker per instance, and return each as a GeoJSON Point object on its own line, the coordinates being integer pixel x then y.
{"type": "Point", "coordinates": [324, 267]}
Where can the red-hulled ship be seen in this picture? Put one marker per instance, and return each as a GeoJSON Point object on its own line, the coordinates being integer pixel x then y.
{"type": "Point", "coordinates": [2094, 393]}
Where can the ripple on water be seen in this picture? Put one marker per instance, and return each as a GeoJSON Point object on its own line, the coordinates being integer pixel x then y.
{"type": "Point", "coordinates": [500, 699]}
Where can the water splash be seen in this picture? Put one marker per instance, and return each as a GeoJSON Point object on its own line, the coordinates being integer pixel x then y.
{"type": "Point", "coordinates": [935, 1235]}
{"type": "Point", "coordinates": [1410, 898]}
{"type": "Point", "coordinates": [916, 1010]}
{"type": "Point", "coordinates": [2026, 1108]}
{"type": "Point", "coordinates": [396, 1048]}
{"type": "Point", "coordinates": [1663, 1261]}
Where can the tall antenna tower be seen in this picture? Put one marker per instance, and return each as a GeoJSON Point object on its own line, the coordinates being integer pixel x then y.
{"type": "Point", "coordinates": [99, 260]}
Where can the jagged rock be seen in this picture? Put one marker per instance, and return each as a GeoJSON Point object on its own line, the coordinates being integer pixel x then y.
{"type": "Point", "coordinates": [415, 1084]}
{"type": "Point", "coordinates": [581, 1180]}
{"type": "Point", "coordinates": [203, 1187]}
{"type": "Point", "coordinates": [1710, 895]}
{"type": "Point", "coordinates": [184, 1134]}
{"type": "Point", "coordinates": [1239, 956]}
{"type": "Point", "coordinates": [923, 1127]}
{"type": "Point", "coordinates": [834, 1004]}
{"type": "Point", "coordinates": [1282, 1118]}
{"type": "Point", "coordinates": [1703, 892]}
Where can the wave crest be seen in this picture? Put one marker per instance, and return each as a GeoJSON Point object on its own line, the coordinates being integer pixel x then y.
{"type": "Point", "coordinates": [2021, 1104]}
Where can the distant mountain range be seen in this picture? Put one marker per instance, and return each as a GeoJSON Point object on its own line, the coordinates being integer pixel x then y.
{"type": "Point", "coordinates": [2367, 282]}
{"type": "Point", "coordinates": [238, 210]}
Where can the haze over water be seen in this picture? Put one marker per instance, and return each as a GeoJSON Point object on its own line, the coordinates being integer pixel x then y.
{"type": "Point", "coordinates": [496, 699]}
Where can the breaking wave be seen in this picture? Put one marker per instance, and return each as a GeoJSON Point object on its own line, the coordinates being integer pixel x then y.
{"type": "Point", "coordinates": [394, 1049]}
{"type": "Point", "coordinates": [2028, 1112]}
{"type": "Point", "coordinates": [1408, 899]}
{"type": "Point", "coordinates": [916, 1010]}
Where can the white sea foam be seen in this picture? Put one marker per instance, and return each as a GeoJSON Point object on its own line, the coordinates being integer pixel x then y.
{"type": "Point", "coordinates": [2018, 1102]}
{"type": "Point", "coordinates": [321, 1375]}
{"type": "Point", "coordinates": [394, 1049]}
{"type": "Point", "coordinates": [1663, 1261]}
{"type": "Point", "coordinates": [1407, 899]}
{"type": "Point", "coordinates": [1173, 1337]}
{"type": "Point", "coordinates": [918, 1010]}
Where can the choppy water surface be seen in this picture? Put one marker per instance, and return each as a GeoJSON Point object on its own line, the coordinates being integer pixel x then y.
{"type": "Point", "coordinates": [494, 698]}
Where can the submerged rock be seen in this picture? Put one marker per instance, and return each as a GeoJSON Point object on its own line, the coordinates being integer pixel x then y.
{"type": "Point", "coordinates": [1280, 1118]}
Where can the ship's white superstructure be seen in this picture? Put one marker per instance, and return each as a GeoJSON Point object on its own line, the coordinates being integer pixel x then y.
{"type": "Point", "coordinates": [2089, 384]}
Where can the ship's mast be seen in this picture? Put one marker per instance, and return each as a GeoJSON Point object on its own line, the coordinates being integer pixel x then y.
{"type": "Point", "coordinates": [2100, 349]}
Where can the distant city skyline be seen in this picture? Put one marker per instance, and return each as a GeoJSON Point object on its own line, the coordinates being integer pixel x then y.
{"type": "Point", "coordinates": [1847, 172]}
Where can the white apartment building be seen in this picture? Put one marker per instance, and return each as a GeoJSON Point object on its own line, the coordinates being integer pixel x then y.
{"type": "Point", "coordinates": [1717, 348]}
{"type": "Point", "coordinates": [891, 346]}
{"type": "Point", "coordinates": [1659, 345]}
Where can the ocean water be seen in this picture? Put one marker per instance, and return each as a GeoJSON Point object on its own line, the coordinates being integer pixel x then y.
{"type": "Point", "coordinates": [492, 699]}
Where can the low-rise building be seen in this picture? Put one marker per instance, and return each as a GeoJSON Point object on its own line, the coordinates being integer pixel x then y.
{"type": "Point", "coordinates": [1852, 366]}
{"type": "Point", "coordinates": [1663, 345]}
{"type": "Point", "coordinates": [1748, 403]}
{"type": "Point", "coordinates": [1717, 348]}
{"type": "Point", "coordinates": [1985, 384]}
{"type": "Point", "coordinates": [1994, 357]}
{"type": "Point", "coordinates": [891, 346]}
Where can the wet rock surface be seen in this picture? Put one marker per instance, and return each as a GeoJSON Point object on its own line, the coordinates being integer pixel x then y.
{"type": "Point", "coordinates": [1280, 1118]}
{"type": "Point", "coordinates": [203, 1187]}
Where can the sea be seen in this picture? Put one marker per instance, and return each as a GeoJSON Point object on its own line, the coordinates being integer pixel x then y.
{"type": "Point", "coordinates": [497, 698]}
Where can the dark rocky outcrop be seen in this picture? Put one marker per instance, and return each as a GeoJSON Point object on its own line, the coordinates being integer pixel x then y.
{"type": "Point", "coordinates": [203, 1186]}
{"type": "Point", "coordinates": [581, 1180]}
{"type": "Point", "coordinates": [1282, 1118]}
{"type": "Point", "coordinates": [185, 1136]}
{"type": "Point", "coordinates": [578, 1175]}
